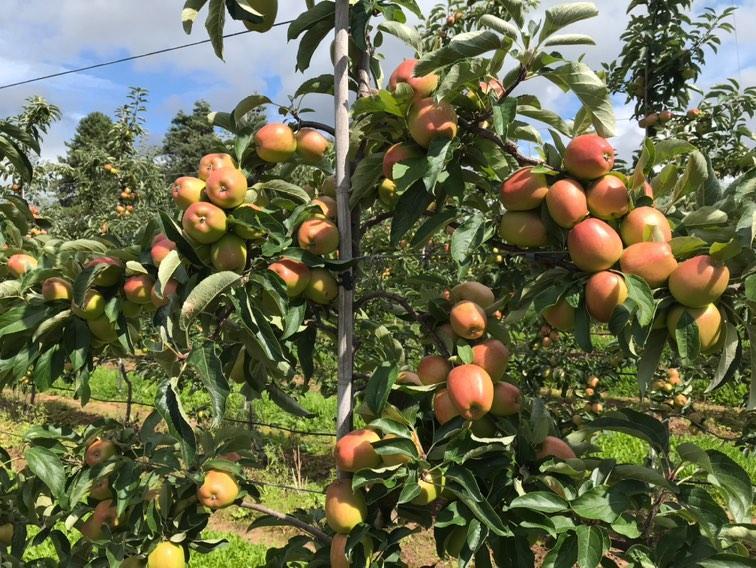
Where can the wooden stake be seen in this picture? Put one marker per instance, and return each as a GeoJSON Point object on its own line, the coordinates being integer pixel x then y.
{"type": "Point", "coordinates": [346, 292]}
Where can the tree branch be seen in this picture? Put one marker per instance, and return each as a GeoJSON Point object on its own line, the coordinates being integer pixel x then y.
{"type": "Point", "coordinates": [318, 125]}
{"type": "Point", "coordinates": [397, 299]}
{"type": "Point", "coordinates": [293, 521]}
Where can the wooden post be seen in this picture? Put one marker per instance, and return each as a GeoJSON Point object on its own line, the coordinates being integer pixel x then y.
{"type": "Point", "coordinates": [346, 292]}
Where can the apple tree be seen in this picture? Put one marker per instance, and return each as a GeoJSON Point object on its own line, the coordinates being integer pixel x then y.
{"type": "Point", "coordinates": [239, 284]}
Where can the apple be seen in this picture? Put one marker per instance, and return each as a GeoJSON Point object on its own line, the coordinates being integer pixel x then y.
{"type": "Point", "coordinates": [187, 190]}
{"type": "Point", "coordinates": [296, 275]}
{"type": "Point", "coordinates": [652, 261]}
{"type": "Point", "coordinates": [229, 253]}
{"type": "Point", "coordinates": [322, 287]}
{"type": "Point", "coordinates": [608, 198]}
{"type": "Point", "coordinates": [354, 451]}
{"type": "Point", "coordinates": [567, 203]}
{"type": "Point", "coordinates": [210, 162]}
{"type": "Point", "coordinates": [431, 485]}
{"type": "Point", "coordinates": [55, 289]}
{"type": "Point", "coordinates": [433, 369]}
{"type": "Point", "coordinates": [168, 292]}
{"type": "Point", "coordinates": [523, 190]}
{"type": "Point", "coordinates": [104, 514]}
{"type": "Point", "coordinates": [474, 292]}
{"type": "Point", "coordinates": [102, 329]}
{"type": "Point", "coordinates": [111, 275]}
{"type": "Point", "coordinates": [471, 390]}
{"type": "Point", "coordinates": [166, 555]}
{"type": "Point", "coordinates": [312, 146]}
{"type": "Point", "coordinates": [468, 320]}
{"type": "Point", "coordinates": [344, 507]}
{"type": "Point", "coordinates": [443, 408]}
{"type": "Point", "coordinates": [100, 490]}
{"type": "Point", "coordinates": [204, 222]}
{"type": "Point", "coordinates": [642, 223]}
{"type": "Point", "coordinates": [604, 291]}
{"type": "Point", "coordinates": [556, 448]}
{"type": "Point", "coordinates": [593, 245]}
{"type": "Point", "coordinates": [20, 264]}
{"type": "Point", "coordinates": [523, 229]}
{"type": "Point", "coordinates": [226, 187]}
{"type": "Point", "coordinates": [423, 86]}
{"type": "Point", "coordinates": [493, 356]}
{"type": "Point", "coordinates": [560, 315]}
{"type": "Point", "coordinates": [6, 534]}
{"type": "Point", "coordinates": [92, 307]}
{"type": "Point", "coordinates": [99, 451]}
{"type": "Point", "coordinates": [318, 236]}
{"type": "Point", "coordinates": [428, 119]}
{"type": "Point", "coordinates": [161, 248]}
{"type": "Point", "coordinates": [699, 281]}
{"type": "Point", "coordinates": [507, 399]}
{"type": "Point", "coordinates": [137, 289]}
{"type": "Point", "coordinates": [708, 319]}
{"type": "Point", "coordinates": [338, 556]}
{"type": "Point", "coordinates": [588, 157]}
{"type": "Point", "coordinates": [275, 142]}
{"type": "Point", "coordinates": [219, 489]}
{"type": "Point", "coordinates": [327, 206]}
{"type": "Point", "coordinates": [399, 152]}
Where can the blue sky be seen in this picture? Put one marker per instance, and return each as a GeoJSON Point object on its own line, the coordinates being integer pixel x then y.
{"type": "Point", "coordinates": [46, 37]}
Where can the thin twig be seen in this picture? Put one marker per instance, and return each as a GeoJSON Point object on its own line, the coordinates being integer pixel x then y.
{"type": "Point", "coordinates": [397, 299]}
{"type": "Point", "coordinates": [275, 427]}
{"type": "Point", "coordinates": [129, 387]}
{"type": "Point", "coordinates": [314, 531]}
{"type": "Point", "coordinates": [317, 125]}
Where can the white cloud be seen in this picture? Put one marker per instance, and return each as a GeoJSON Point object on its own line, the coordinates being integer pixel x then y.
{"type": "Point", "coordinates": [46, 37]}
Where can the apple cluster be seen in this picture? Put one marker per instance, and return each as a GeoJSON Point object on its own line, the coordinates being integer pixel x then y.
{"type": "Point", "coordinates": [593, 205]}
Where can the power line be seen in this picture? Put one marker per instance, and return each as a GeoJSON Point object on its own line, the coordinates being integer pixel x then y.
{"type": "Point", "coordinates": [125, 59]}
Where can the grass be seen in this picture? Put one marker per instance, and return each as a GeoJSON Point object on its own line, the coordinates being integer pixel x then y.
{"type": "Point", "coordinates": [628, 449]}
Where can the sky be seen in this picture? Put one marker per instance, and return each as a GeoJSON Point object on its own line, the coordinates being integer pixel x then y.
{"type": "Point", "coordinates": [47, 37]}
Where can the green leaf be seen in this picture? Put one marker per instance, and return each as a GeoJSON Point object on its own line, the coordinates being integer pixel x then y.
{"type": "Point", "coordinates": [686, 337]}
{"type": "Point", "coordinates": [310, 42]}
{"type": "Point", "coordinates": [649, 360]}
{"type": "Point", "coordinates": [670, 148]}
{"type": "Point", "coordinates": [564, 553]}
{"type": "Point", "coordinates": [726, 560]}
{"type": "Point", "coordinates": [168, 404]}
{"type": "Point", "coordinates": [601, 503]}
{"type": "Point", "coordinates": [705, 216]}
{"type": "Point", "coordinates": [190, 12]}
{"type": "Point", "coordinates": [396, 447]}
{"type": "Point", "coordinates": [468, 237]}
{"type": "Point", "coordinates": [287, 403]}
{"type": "Point", "coordinates": [561, 16]}
{"type": "Point", "coordinates": [502, 26]}
{"type": "Point", "coordinates": [636, 424]}
{"type": "Point", "coordinates": [365, 178]}
{"type": "Point", "coordinates": [593, 543]}
{"type": "Point", "coordinates": [216, 18]}
{"type": "Point", "coordinates": [725, 251]}
{"type": "Point", "coordinates": [726, 475]}
{"type": "Point", "coordinates": [462, 46]}
{"type": "Point", "coordinates": [542, 501]}
{"type": "Point", "coordinates": [692, 180]}
{"type": "Point", "coordinates": [206, 362]}
{"type": "Point", "coordinates": [287, 189]}
{"type": "Point", "coordinates": [458, 75]}
{"type": "Point", "coordinates": [204, 293]}
{"type": "Point", "coordinates": [431, 226]}
{"type": "Point", "coordinates": [729, 360]}
{"type": "Point", "coordinates": [409, 209]}
{"type": "Point", "coordinates": [549, 117]}
{"type": "Point", "coordinates": [569, 39]}
{"type": "Point", "coordinates": [322, 84]}
{"type": "Point", "coordinates": [407, 34]}
{"type": "Point", "coordinates": [46, 465]}
{"type": "Point", "coordinates": [685, 246]}
{"type": "Point", "coordinates": [379, 387]}
{"type": "Point", "coordinates": [166, 270]}
{"type": "Point", "coordinates": [750, 288]}
{"type": "Point", "coordinates": [321, 11]}
{"type": "Point", "coordinates": [248, 104]}
{"type": "Point", "coordinates": [592, 92]}
{"type": "Point", "coordinates": [174, 233]}
{"type": "Point", "coordinates": [639, 292]}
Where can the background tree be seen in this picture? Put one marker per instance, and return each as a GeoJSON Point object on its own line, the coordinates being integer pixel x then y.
{"type": "Point", "coordinates": [189, 137]}
{"type": "Point", "coordinates": [663, 53]}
